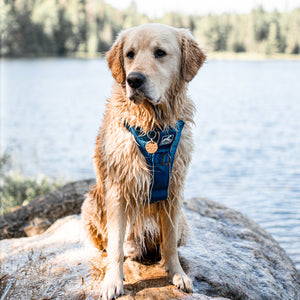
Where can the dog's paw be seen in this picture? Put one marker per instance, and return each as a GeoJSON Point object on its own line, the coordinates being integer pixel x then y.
{"type": "Point", "coordinates": [132, 250]}
{"type": "Point", "coordinates": [183, 282]}
{"type": "Point", "coordinates": [112, 287]}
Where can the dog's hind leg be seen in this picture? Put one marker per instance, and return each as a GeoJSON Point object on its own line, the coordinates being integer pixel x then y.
{"type": "Point", "coordinates": [132, 247]}
{"type": "Point", "coordinates": [148, 250]}
{"type": "Point", "coordinates": [93, 220]}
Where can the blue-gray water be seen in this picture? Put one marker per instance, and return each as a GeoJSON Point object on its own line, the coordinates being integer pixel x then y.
{"type": "Point", "coordinates": [247, 153]}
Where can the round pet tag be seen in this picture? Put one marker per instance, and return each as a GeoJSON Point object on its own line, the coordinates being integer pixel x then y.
{"type": "Point", "coordinates": [151, 147]}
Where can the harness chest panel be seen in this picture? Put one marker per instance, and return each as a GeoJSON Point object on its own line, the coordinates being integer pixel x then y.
{"type": "Point", "coordinates": [161, 161]}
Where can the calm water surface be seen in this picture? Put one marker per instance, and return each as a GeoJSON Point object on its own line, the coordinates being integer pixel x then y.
{"type": "Point", "coordinates": [247, 142]}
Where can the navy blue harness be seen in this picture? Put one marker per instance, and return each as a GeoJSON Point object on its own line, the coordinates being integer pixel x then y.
{"type": "Point", "coordinates": [161, 162]}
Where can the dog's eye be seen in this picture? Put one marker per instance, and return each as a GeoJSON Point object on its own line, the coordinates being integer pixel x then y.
{"type": "Point", "coordinates": [130, 55]}
{"type": "Point", "coordinates": [159, 53]}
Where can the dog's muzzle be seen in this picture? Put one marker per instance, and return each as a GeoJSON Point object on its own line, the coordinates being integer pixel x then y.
{"type": "Point", "coordinates": [138, 83]}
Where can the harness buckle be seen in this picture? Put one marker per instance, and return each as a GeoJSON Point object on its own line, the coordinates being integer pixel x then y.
{"type": "Point", "coordinates": [164, 161]}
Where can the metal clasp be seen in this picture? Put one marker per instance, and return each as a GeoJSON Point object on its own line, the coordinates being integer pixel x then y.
{"type": "Point", "coordinates": [165, 162]}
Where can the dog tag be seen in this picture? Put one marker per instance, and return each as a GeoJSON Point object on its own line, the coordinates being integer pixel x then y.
{"type": "Point", "coordinates": [151, 147]}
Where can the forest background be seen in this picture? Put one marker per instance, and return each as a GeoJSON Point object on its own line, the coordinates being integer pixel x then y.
{"type": "Point", "coordinates": [88, 28]}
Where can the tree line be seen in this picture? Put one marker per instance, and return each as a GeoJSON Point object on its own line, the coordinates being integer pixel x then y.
{"type": "Point", "coordinates": [87, 27]}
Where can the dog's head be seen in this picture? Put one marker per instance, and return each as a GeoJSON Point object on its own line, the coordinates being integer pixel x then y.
{"type": "Point", "coordinates": [148, 59]}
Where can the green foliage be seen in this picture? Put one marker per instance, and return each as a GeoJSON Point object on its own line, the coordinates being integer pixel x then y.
{"type": "Point", "coordinates": [260, 24]}
{"type": "Point", "coordinates": [16, 190]}
{"type": "Point", "coordinates": [38, 27]}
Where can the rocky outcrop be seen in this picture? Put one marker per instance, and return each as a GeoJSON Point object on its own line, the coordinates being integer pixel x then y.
{"type": "Point", "coordinates": [231, 256]}
{"type": "Point", "coordinates": [36, 217]}
{"type": "Point", "coordinates": [228, 257]}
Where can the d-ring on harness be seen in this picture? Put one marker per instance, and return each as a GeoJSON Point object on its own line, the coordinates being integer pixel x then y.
{"type": "Point", "coordinates": [159, 148]}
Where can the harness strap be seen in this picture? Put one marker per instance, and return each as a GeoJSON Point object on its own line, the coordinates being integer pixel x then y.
{"type": "Point", "coordinates": [161, 162]}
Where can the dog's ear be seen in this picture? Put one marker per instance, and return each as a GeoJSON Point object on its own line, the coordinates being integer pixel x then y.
{"type": "Point", "coordinates": [192, 57]}
{"type": "Point", "coordinates": [115, 60]}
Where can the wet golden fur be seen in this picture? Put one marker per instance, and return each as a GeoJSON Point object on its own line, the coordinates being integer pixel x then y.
{"type": "Point", "coordinates": [116, 201]}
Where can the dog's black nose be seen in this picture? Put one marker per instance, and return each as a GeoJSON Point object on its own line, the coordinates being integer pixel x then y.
{"type": "Point", "coordinates": [136, 80]}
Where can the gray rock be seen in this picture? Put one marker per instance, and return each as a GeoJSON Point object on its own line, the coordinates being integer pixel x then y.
{"type": "Point", "coordinates": [228, 257]}
{"type": "Point", "coordinates": [231, 256]}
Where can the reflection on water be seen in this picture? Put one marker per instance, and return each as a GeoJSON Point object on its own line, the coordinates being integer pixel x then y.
{"type": "Point", "coordinates": [247, 144]}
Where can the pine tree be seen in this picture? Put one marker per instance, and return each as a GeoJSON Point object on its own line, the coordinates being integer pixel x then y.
{"type": "Point", "coordinates": [273, 43]}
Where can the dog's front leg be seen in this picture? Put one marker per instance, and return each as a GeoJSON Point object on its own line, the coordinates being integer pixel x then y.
{"type": "Point", "coordinates": [112, 286]}
{"type": "Point", "coordinates": [170, 252]}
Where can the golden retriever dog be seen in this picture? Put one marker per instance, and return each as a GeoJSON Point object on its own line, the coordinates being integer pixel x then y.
{"type": "Point", "coordinates": [152, 65]}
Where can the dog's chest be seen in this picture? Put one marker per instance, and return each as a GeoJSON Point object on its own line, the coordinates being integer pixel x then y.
{"type": "Point", "coordinates": [127, 165]}
{"type": "Point", "coordinates": [123, 158]}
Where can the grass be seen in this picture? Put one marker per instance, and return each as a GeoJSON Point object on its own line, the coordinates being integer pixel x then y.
{"type": "Point", "coordinates": [17, 190]}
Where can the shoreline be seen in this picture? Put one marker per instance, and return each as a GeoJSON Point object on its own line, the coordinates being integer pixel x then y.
{"type": "Point", "coordinates": [247, 56]}
{"type": "Point", "coordinates": [240, 56]}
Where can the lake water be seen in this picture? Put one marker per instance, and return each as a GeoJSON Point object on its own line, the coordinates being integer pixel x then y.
{"type": "Point", "coordinates": [247, 141]}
